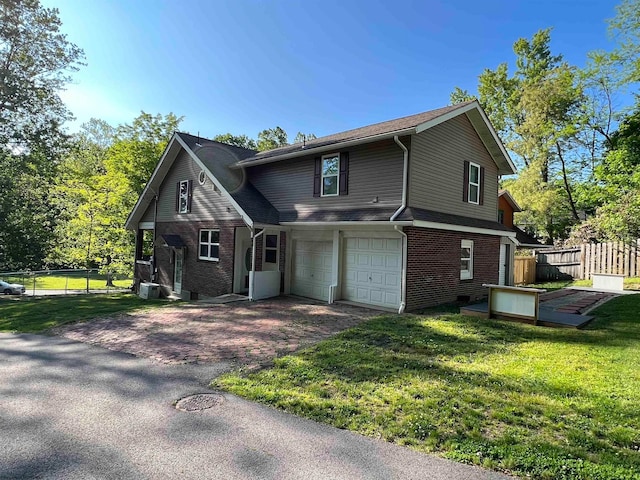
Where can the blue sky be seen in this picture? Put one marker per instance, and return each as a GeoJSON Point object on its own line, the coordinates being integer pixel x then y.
{"type": "Point", "coordinates": [241, 66]}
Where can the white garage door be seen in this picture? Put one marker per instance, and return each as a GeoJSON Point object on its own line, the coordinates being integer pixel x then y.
{"type": "Point", "coordinates": [312, 269]}
{"type": "Point", "coordinates": [372, 271]}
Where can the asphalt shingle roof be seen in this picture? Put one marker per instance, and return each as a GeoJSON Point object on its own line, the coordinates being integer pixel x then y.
{"type": "Point", "coordinates": [390, 126]}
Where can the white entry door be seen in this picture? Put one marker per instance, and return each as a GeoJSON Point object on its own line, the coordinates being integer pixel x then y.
{"type": "Point", "coordinates": [311, 270]}
{"type": "Point", "coordinates": [504, 261]}
{"type": "Point", "coordinates": [177, 271]}
{"type": "Point", "coordinates": [372, 271]}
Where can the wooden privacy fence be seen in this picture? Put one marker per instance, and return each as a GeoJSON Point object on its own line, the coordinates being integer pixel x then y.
{"type": "Point", "coordinates": [618, 258]}
{"type": "Point", "coordinates": [524, 270]}
{"type": "Point", "coordinates": [561, 264]}
{"type": "Point", "coordinates": [582, 262]}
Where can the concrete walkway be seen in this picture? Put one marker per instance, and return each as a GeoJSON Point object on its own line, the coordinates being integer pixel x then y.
{"type": "Point", "coordinates": [69, 410]}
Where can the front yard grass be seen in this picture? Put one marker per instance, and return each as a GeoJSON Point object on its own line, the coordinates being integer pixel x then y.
{"type": "Point", "coordinates": [29, 315]}
{"type": "Point", "coordinates": [70, 281]}
{"type": "Point", "coordinates": [532, 401]}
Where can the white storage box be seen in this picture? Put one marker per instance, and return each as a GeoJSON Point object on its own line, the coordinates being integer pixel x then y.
{"type": "Point", "coordinates": [149, 290]}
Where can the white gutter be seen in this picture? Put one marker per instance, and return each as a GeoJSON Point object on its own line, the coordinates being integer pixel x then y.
{"type": "Point", "coordinates": [403, 278]}
{"type": "Point", "coordinates": [252, 274]}
{"type": "Point", "coordinates": [405, 175]}
{"type": "Point", "coordinates": [377, 223]}
{"type": "Point", "coordinates": [321, 148]}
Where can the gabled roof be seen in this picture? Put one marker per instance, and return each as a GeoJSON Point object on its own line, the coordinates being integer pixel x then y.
{"type": "Point", "coordinates": [214, 158]}
{"type": "Point", "coordinates": [401, 126]}
{"type": "Point", "coordinates": [510, 200]}
{"type": "Point", "coordinates": [526, 240]}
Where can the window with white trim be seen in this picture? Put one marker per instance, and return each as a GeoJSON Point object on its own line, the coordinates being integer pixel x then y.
{"type": "Point", "coordinates": [209, 245]}
{"type": "Point", "coordinates": [270, 255]}
{"type": "Point", "coordinates": [330, 174]}
{"type": "Point", "coordinates": [183, 197]}
{"type": "Point", "coordinates": [474, 183]}
{"type": "Point", "coordinates": [466, 259]}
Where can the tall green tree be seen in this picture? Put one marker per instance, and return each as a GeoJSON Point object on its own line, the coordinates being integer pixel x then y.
{"type": "Point", "coordinates": [624, 29]}
{"type": "Point", "coordinates": [36, 60]}
{"type": "Point", "coordinates": [101, 180]}
{"type": "Point", "coordinates": [304, 137]}
{"type": "Point", "coordinates": [536, 110]}
{"type": "Point", "coordinates": [238, 140]}
{"type": "Point", "coordinates": [271, 138]}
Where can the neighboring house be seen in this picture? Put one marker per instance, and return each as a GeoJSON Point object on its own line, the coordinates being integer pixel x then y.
{"type": "Point", "coordinates": [400, 214]}
{"type": "Point", "coordinates": [507, 206]}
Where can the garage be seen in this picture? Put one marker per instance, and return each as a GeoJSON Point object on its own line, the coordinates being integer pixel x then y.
{"type": "Point", "coordinates": [372, 271]}
{"type": "Point", "coordinates": [312, 269]}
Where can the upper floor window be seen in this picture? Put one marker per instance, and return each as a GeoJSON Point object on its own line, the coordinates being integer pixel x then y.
{"type": "Point", "coordinates": [330, 174]}
{"type": "Point", "coordinates": [474, 183]}
{"type": "Point", "coordinates": [501, 216]}
{"type": "Point", "coordinates": [209, 245]}
{"type": "Point", "coordinates": [183, 196]}
{"type": "Point", "coordinates": [466, 259]}
{"type": "Point", "coordinates": [473, 189]}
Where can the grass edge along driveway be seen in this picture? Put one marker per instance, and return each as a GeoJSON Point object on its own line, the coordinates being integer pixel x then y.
{"type": "Point", "coordinates": [33, 315]}
{"type": "Point", "coordinates": [531, 401]}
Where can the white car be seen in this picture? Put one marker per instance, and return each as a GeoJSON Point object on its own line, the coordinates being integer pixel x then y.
{"type": "Point", "coordinates": [11, 288]}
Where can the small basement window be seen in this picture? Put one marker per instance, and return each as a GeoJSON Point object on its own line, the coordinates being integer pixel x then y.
{"type": "Point", "coordinates": [209, 245]}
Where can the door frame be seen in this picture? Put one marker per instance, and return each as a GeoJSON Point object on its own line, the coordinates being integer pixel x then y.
{"type": "Point", "coordinates": [242, 242]}
{"type": "Point", "coordinates": [178, 253]}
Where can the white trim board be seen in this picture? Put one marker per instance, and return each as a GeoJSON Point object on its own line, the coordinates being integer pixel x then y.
{"type": "Point", "coordinates": [462, 228]}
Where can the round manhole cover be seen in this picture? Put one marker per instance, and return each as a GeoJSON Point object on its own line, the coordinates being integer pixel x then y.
{"type": "Point", "coordinates": [200, 401]}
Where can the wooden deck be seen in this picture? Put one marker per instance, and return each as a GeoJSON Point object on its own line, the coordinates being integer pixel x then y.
{"type": "Point", "coordinates": [547, 316]}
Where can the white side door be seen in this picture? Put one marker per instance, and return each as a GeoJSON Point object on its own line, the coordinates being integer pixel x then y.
{"type": "Point", "coordinates": [177, 271]}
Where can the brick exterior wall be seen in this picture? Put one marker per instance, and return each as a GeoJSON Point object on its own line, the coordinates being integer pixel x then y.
{"type": "Point", "coordinates": [433, 266]}
{"type": "Point", "coordinates": [200, 277]}
{"type": "Point", "coordinates": [142, 274]}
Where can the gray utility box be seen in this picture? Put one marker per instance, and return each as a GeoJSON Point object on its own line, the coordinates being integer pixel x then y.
{"type": "Point", "coordinates": [149, 290]}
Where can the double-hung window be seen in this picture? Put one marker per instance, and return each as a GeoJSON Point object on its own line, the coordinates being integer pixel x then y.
{"type": "Point", "coordinates": [209, 245]}
{"type": "Point", "coordinates": [330, 174]}
{"type": "Point", "coordinates": [271, 249]}
{"type": "Point", "coordinates": [474, 183]}
{"type": "Point", "coordinates": [466, 259]}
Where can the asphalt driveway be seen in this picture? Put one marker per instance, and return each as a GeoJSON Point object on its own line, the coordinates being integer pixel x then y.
{"type": "Point", "coordinates": [70, 410]}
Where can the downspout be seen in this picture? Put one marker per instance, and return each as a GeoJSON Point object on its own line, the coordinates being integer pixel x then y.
{"type": "Point", "coordinates": [405, 175]}
{"type": "Point", "coordinates": [403, 278]}
{"type": "Point", "coordinates": [397, 228]}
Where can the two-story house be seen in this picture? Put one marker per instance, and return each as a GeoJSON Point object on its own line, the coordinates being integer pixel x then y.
{"type": "Point", "coordinates": [401, 214]}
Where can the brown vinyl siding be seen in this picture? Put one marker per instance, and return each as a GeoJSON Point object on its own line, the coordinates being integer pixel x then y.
{"type": "Point", "coordinates": [375, 170]}
{"type": "Point", "coordinates": [206, 203]}
{"type": "Point", "coordinates": [436, 170]}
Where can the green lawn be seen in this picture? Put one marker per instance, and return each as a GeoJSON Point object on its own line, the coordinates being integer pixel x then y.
{"type": "Point", "coordinates": [27, 314]}
{"type": "Point", "coordinates": [72, 281]}
{"type": "Point", "coordinates": [532, 401]}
